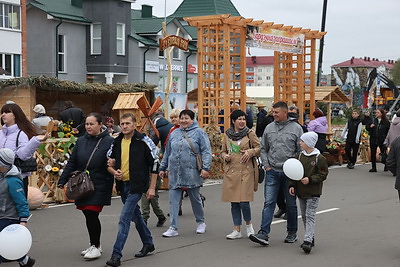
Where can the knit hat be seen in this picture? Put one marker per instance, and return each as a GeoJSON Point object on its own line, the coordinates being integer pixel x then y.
{"type": "Point", "coordinates": [39, 109]}
{"type": "Point", "coordinates": [310, 138]}
{"type": "Point", "coordinates": [7, 157]}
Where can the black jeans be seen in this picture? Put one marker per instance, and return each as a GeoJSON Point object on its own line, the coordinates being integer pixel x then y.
{"type": "Point", "coordinates": [351, 149]}
{"type": "Point", "coordinates": [374, 147]}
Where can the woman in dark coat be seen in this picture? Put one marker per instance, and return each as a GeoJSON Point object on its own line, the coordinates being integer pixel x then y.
{"type": "Point", "coordinates": [378, 130]}
{"type": "Point", "coordinates": [102, 179]}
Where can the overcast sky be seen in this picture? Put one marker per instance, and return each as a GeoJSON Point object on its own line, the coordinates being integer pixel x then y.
{"type": "Point", "coordinates": [355, 27]}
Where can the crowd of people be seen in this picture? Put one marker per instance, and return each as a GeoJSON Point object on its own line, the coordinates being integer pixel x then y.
{"type": "Point", "coordinates": [180, 151]}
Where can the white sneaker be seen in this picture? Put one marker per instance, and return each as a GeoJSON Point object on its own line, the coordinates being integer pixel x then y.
{"type": "Point", "coordinates": [201, 228]}
{"type": "Point", "coordinates": [170, 232]}
{"type": "Point", "coordinates": [250, 230]}
{"type": "Point", "coordinates": [93, 253]}
{"type": "Point", "coordinates": [234, 235]}
{"type": "Point", "coordinates": [83, 252]}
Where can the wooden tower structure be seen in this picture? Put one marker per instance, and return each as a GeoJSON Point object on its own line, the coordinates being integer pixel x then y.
{"type": "Point", "coordinates": [222, 67]}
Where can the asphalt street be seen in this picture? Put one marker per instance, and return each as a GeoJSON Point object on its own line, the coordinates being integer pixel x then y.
{"type": "Point", "coordinates": [357, 225]}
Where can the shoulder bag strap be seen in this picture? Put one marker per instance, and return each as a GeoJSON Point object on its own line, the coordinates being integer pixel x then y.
{"type": "Point", "coordinates": [16, 141]}
{"type": "Point", "coordinates": [188, 140]}
{"type": "Point", "coordinates": [251, 147]}
{"type": "Point", "coordinates": [91, 155]}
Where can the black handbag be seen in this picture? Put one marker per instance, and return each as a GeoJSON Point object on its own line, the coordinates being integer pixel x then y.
{"type": "Point", "coordinates": [261, 170]}
{"type": "Point", "coordinates": [29, 165]}
{"type": "Point", "coordinates": [80, 185]}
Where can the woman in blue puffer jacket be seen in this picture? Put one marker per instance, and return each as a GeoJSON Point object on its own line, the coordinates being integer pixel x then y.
{"type": "Point", "coordinates": [180, 160]}
{"type": "Point", "coordinates": [15, 122]}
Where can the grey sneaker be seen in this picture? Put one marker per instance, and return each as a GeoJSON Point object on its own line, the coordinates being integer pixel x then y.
{"type": "Point", "coordinates": [291, 237]}
{"type": "Point", "coordinates": [259, 238]}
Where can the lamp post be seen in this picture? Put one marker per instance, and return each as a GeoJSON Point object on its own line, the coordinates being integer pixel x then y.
{"type": "Point", "coordinates": [321, 43]}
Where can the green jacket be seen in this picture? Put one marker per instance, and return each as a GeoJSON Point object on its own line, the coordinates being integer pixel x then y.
{"type": "Point", "coordinates": [316, 170]}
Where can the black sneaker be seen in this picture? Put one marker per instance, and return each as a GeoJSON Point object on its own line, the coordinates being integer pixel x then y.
{"type": "Point", "coordinates": [372, 170]}
{"type": "Point", "coordinates": [30, 263]}
{"type": "Point", "coordinates": [259, 238]}
{"type": "Point", "coordinates": [306, 246]}
{"type": "Point", "coordinates": [161, 221]}
{"type": "Point", "coordinates": [350, 166]}
{"type": "Point", "coordinates": [279, 213]}
{"type": "Point", "coordinates": [114, 262]}
{"type": "Point", "coordinates": [291, 237]}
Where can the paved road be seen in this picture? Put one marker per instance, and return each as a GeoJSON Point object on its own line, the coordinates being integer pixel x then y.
{"type": "Point", "coordinates": [362, 231]}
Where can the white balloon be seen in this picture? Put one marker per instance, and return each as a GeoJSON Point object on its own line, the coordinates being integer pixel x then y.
{"type": "Point", "coordinates": [15, 242]}
{"type": "Point", "coordinates": [293, 169]}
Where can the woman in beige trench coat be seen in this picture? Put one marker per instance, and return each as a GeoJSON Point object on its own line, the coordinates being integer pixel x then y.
{"type": "Point", "coordinates": [239, 149]}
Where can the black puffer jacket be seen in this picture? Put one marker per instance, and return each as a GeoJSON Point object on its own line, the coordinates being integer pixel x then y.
{"type": "Point", "coordinates": [378, 133]}
{"type": "Point", "coordinates": [141, 162]}
{"type": "Point", "coordinates": [102, 179]}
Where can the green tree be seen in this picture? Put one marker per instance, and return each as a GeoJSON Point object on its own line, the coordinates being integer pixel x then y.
{"type": "Point", "coordinates": [396, 72]}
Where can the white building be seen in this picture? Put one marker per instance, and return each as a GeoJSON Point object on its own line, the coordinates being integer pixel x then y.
{"type": "Point", "coordinates": [11, 39]}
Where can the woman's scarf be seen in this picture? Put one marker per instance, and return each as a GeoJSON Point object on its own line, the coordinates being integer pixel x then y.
{"type": "Point", "coordinates": [235, 136]}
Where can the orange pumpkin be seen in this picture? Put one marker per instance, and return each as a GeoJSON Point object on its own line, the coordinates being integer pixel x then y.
{"type": "Point", "coordinates": [35, 197]}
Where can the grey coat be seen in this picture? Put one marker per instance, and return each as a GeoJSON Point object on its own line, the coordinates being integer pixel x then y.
{"type": "Point", "coordinates": [393, 161]}
{"type": "Point", "coordinates": [280, 141]}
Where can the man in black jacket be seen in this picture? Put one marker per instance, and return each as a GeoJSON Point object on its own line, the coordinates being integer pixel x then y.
{"type": "Point", "coordinates": [74, 115]}
{"type": "Point", "coordinates": [135, 156]}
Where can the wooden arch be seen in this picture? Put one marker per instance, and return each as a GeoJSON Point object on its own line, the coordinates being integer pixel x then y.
{"type": "Point", "coordinates": [222, 67]}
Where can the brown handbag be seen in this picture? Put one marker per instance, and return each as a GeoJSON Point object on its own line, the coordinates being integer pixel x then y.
{"type": "Point", "coordinates": [80, 185]}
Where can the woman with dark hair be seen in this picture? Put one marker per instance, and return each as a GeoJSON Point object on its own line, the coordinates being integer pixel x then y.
{"type": "Point", "coordinates": [378, 130]}
{"type": "Point", "coordinates": [103, 181]}
{"type": "Point", "coordinates": [180, 160]}
{"type": "Point", "coordinates": [320, 126]}
{"type": "Point", "coordinates": [239, 149]}
{"type": "Point", "coordinates": [18, 129]}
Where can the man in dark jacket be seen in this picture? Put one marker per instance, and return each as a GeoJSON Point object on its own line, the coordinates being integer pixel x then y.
{"type": "Point", "coordinates": [135, 156]}
{"type": "Point", "coordinates": [393, 162]}
{"type": "Point", "coordinates": [163, 126]}
{"type": "Point", "coordinates": [74, 115]}
{"type": "Point", "coordinates": [352, 133]}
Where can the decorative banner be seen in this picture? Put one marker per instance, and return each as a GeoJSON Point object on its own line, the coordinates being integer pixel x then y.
{"type": "Point", "coordinates": [276, 40]}
{"type": "Point", "coordinates": [173, 40]}
{"type": "Point", "coordinates": [176, 100]}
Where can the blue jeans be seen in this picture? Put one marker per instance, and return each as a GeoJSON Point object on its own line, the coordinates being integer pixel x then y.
{"type": "Point", "coordinates": [195, 200]}
{"type": "Point", "coordinates": [130, 212]}
{"type": "Point", "coordinates": [273, 180]}
{"type": "Point", "coordinates": [237, 208]}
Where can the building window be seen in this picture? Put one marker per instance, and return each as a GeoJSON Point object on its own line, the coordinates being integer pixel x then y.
{"type": "Point", "coordinates": [249, 77]}
{"type": "Point", "coordinates": [250, 69]}
{"type": "Point", "coordinates": [259, 78]}
{"type": "Point", "coordinates": [161, 53]}
{"type": "Point", "coordinates": [259, 84]}
{"type": "Point", "coordinates": [10, 16]}
{"type": "Point", "coordinates": [176, 53]}
{"type": "Point", "coordinates": [260, 70]}
{"type": "Point", "coordinates": [120, 39]}
{"type": "Point", "coordinates": [268, 78]}
{"type": "Point", "coordinates": [268, 70]}
{"type": "Point", "coordinates": [61, 53]}
{"type": "Point", "coordinates": [95, 33]}
{"type": "Point", "coordinates": [10, 64]}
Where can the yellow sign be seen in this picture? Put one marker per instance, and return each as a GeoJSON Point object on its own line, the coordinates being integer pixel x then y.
{"type": "Point", "coordinates": [173, 40]}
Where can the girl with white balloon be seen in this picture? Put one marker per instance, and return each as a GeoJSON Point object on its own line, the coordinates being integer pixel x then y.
{"type": "Point", "coordinates": [307, 172]}
{"type": "Point", "coordinates": [15, 238]}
